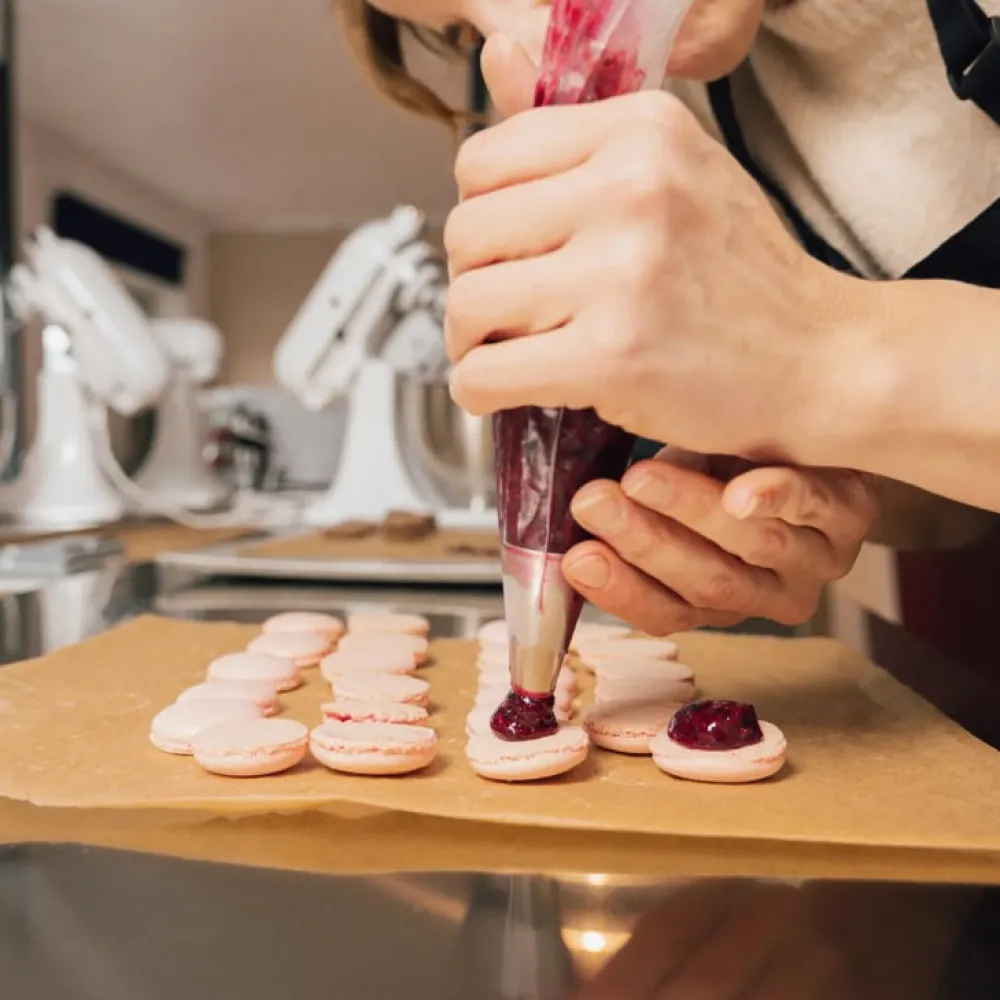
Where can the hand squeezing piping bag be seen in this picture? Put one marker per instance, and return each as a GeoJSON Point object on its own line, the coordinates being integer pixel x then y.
{"type": "Point", "coordinates": [594, 49]}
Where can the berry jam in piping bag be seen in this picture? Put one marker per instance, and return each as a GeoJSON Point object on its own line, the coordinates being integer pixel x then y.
{"type": "Point", "coordinates": [594, 49]}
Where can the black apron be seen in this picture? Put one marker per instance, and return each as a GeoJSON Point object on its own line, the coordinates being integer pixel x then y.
{"type": "Point", "coordinates": [970, 49]}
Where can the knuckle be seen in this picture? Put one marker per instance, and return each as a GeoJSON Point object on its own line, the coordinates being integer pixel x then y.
{"type": "Point", "coordinates": [640, 174]}
{"type": "Point", "coordinates": [469, 161]}
{"type": "Point", "coordinates": [461, 305]}
{"type": "Point", "coordinates": [716, 591]}
{"type": "Point", "coordinates": [768, 547]}
{"type": "Point", "coordinates": [659, 108]}
{"type": "Point", "coordinates": [797, 609]}
{"type": "Point", "coordinates": [637, 259]}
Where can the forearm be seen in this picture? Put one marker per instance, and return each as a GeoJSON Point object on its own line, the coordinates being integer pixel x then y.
{"type": "Point", "coordinates": [914, 390]}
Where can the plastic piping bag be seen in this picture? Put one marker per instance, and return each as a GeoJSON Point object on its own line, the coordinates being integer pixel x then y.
{"type": "Point", "coordinates": [594, 49]}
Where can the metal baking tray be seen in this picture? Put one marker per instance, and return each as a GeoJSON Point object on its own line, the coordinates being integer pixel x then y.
{"type": "Point", "coordinates": [230, 559]}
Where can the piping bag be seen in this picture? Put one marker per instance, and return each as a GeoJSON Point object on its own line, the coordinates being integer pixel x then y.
{"type": "Point", "coordinates": [594, 49]}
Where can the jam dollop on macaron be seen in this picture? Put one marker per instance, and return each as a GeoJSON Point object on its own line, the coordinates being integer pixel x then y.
{"type": "Point", "coordinates": [715, 725]}
{"type": "Point", "coordinates": [525, 716]}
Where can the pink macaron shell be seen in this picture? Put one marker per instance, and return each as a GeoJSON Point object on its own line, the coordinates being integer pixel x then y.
{"type": "Point", "coordinates": [385, 642]}
{"type": "Point", "coordinates": [174, 728]}
{"type": "Point", "coordinates": [396, 712]}
{"type": "Point", "coordinates": [527, 760]}
{"type": "Point", "coordinates": [304, 649]}
{"type": "Point", "coordinates": [260, 693]}
{"type": "Point", "coordinates": [627, 727]}
{"type": "Point", "coordinates": [592, 653]}
{"type": "Point", "coordinates": [591, 632]}
{"type": "Point", "coordinates": [723, 767]}
{"type": "Point", "coordinates": [494, 633]}
{"type": "Point", "coordinates": [373, 661]}
{"type": "Point", "coordinates": [280, 673]}
{"type": "Point", "coordinates": [478, 720]}
{"type": "Point", "coordinates": [251, 748]}
{"type": "Point", "coordinates": [305, 623]}
{"type": "Point", "coordinates": [625, 689]}
{"type": "Point", "coordinates": [388, 622]}
{"type": "Point", "coordinates": [381, 687]}
{"type": "Point", "coordinates": [373, 748]}
{"type": "Point", "coordinates": [645, 668]}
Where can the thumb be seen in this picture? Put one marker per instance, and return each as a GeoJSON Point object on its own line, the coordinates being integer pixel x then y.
{"type": "Point", "coordinates": [509, 73]}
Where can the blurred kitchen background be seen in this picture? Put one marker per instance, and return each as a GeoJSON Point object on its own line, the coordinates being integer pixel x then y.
{"type": "Point", "coordinates": [240, 133]}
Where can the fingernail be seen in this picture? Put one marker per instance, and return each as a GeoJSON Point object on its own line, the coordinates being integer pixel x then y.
{"type": "Point", "coordinates": [592, 571]}
{"type": "Point", "coordinates": [598, 511]}
{"type": "Point", "coordinates": [650, 490]}
{"type": "Point", "coordinates": [743, 503]}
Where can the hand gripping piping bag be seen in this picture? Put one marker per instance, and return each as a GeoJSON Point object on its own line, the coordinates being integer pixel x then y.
{"type": "Point", "coordinates": [594, 49]}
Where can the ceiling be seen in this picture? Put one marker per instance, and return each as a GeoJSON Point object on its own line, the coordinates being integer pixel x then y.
{"type": "Point", "coordinates": [251, 112]}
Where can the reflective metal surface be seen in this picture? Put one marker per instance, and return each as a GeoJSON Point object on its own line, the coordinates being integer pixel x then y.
{"type": "Point", "coordinates": [78, 924]}
{"type": "Point", "coordinates": [95, 925]}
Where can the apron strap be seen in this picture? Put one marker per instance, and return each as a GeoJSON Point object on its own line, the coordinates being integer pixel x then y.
{"type": "Point", "coordinates": [720, 94]}
{"type": "Point", "coordinates": [970, 46]}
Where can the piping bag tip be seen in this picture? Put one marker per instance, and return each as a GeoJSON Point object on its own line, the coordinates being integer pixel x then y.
{"type": "Point", "coordinates": [542, 611]}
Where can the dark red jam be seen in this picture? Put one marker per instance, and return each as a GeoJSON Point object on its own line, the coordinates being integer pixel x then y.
{"type": "Point", "coordinates": [523, 716]}
{"type": "Point", "coordinates": [715, 725]}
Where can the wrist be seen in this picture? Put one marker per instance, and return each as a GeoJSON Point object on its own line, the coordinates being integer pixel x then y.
{"type": "Point", "coordinates": [856, 375]}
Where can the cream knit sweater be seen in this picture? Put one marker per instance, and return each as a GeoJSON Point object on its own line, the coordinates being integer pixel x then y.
{"type": "Point", "coordinates": [846, 104]}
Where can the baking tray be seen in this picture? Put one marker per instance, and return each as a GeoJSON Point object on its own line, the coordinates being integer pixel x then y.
{"type": "Point", "coordinates": [236, 559]}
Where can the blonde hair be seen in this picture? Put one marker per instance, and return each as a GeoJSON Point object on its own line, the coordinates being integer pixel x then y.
{"type": "Point", "coordinates": [377, 40]}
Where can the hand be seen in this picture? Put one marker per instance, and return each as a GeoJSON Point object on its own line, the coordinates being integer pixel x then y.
{"type": "Point", "coordinates": [612, 255]}
{"type": "Point", "coordinates": [729, 940]}
{"type": "Point", "coordinates": [676, 548]}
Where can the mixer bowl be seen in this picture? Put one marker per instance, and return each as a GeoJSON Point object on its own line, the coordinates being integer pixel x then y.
{"type": "Point", "coordinates": [448, 453]}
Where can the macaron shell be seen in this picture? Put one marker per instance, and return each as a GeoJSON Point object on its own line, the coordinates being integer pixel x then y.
{"type": "Point", "coordinates": [725, 767]}
{"type": "Point", "coordinates": [391, 623]}
{"type": "Point", "coordinates": [527, 760]}
{"type": "Point", "coordinates": [175, 727]}
{"type": "Point", "coordinates": [304, 649]}
{"type": "Point", "coordinates": [627, 727]}
{"type": "Point", "coordinates": [629, 649]}
{"type": "Point", "coordinates": [252, 748]}
{"type": "Point", "coordinates": [316, 622]}
{"type": "Point", "coordinates": [641, 668]}
{"type": "Point", "coordinates": [385, 642]}
{"type": "Point", "coordinates": [379, 687]}
{"type": "Point", "coordinates": [373, 661]}
{"type": "Point", "coordinates": [281, 674]}
{"type": "Point", "coordinates": [396, 712]}
{"type": "Point", "coordinates": [260, 693]}
{"type": "Point", "coordinates": [625, 689]}
{"type": "Point", "coordinates": [494, 633]}
{"type": "Point", "coordinates": [373, 748]}
{"type": "Point", "coordinates": [591, 632]}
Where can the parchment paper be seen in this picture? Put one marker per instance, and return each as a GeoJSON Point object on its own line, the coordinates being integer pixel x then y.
{"type": "Point", "coordinates": [435, 548]}
{"type": "Point", "coordinates": [872, 767]}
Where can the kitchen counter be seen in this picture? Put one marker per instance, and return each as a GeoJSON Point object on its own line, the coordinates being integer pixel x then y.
{"type": "Point", "coordinates": [89, 924]}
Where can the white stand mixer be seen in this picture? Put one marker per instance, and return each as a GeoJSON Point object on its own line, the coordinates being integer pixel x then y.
{"type": "Point", "coordinates": [375, 314]}
{"type": "Point", "coordinates": [175, 470]}
{"type": "Point", "coordinates": [97, 346]}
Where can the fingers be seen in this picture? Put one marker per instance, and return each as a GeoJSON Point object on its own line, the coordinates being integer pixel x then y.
{"type": "Point", "coordinates": [599, 574]}
{"type": "Point", "coordinates": [840, 503]}
{"type": "Point", "coordinates": [699, 572]}
{"type": "Point", "coordinates": [513, 223]}
{"type": "Point", "coordinates": [508, 300]}
{"type": "Point", "coordinates": [554, 140]}
{"type": "Point", "coordinates": [695, 500]}
{"type": "Point", "coordinates": [546, 370]}
{"type": "Point", "coordinates": [509, 73]}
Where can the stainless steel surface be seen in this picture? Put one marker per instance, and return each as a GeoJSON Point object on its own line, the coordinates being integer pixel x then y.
{"type": "Point", "coordinates": [230, 559]}
{"type": "Point", "coordinates": [99, 925]}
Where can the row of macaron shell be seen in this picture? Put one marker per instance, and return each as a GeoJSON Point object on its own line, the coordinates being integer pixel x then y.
{"type": "Point", "coordinates": [639, 687]}
{"type": "Point", "coordinates": [226, 722]}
